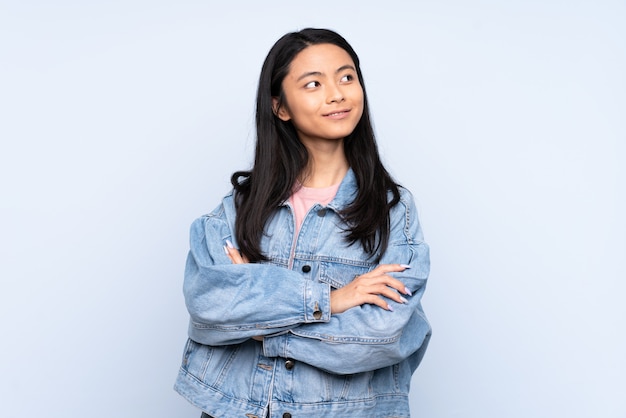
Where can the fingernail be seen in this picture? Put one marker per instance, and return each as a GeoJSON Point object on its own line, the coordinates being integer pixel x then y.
{"type": "Point", "coordinates": [230, 244]}
{"type": "Point", "coordinates": [226, 250]}
{"type": "Point", "coordinates": [389, 307]}
{"type": "Point", "coordinates": [403, 300]}
{"type": "Point", "coordinates": [406, 266]}
{"type": "Point", "coordinates": [407, 291]}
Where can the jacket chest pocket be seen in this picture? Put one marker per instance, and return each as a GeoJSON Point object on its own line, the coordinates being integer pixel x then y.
{"type": "Point", "coordinates": [340, 273]}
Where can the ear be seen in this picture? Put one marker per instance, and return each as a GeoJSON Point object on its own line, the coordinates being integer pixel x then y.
{"type": "Point", "coordinates": [280, 111]}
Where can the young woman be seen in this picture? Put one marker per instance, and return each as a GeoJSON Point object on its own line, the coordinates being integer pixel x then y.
{"type": "Point", "coordinates": [304, 285]}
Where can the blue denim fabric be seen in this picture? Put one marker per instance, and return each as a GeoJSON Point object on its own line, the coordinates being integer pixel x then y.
{"type": "Point", "coordinates": [311, 364]}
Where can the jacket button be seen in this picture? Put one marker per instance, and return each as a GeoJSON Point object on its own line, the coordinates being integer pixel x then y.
{"type": "Point", "coordinates": [286, 415]}
{"type": "Point", "coordinates": [317, 314]}
{"type": "Point", "coordinates": [321, 213]}
{"type": "Point", "coordinates": [289, 364]}
{"type": "Point", "coordinates": [306, 268]}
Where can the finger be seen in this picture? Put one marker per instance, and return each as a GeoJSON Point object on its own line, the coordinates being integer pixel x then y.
{"type": "Point", "coordinates": [395, 283]}
{"type": "Point", "coordinates": [390, 268]}
{"type": "Point", "coordinates": [233, 253]}
{"type": "Point", "coordinates": [389, 293]}
{"type": "Point", "coordinates": [227, 251]}
{"type": "Point", "coordinates": [384, 269]}
{"type": "Point", "coordinates": [398, 285]}
{"type": "Point", "coordinates": [235, 256]}
{"type": "Point", "coordinates": [385, 280]}
{"type": "Point", "coordinates": [380, 302]}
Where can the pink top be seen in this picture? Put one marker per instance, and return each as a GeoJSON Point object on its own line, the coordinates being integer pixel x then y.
{"type": "Point", "coordinates": [305, 197]}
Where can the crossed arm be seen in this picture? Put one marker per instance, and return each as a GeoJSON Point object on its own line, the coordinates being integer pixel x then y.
{"type": "Point", "coordinates": [375, 320]}
{"type": "Point", "coordinates": [364, 289]}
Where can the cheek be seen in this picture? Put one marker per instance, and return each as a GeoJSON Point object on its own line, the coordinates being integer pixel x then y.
{"type": "Point", "coordinates": [304, 112]}
{"type": "Point", "coordinates": [357, 96]}
{"type": "Point", "coordinates": [359, 101]}
{"type": "Point", "coordinates": [309, 103]}
{"type": "Point", "coordinates": [299, 103]}
{"type": "Point", "coordinates": [360, 114]}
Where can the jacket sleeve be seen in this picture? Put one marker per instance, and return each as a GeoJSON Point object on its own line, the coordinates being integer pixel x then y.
{"type": "Point", "coordinates": [230, 303]}
{"type": "Point", "coordinates": [367, 337]}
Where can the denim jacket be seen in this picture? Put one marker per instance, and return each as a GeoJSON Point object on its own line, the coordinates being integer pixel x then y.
{"type": "Point", "coordinates": [310, 363]}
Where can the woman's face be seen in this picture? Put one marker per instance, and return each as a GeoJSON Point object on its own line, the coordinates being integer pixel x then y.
{"type": "Point", "coordinates": [323, 95]}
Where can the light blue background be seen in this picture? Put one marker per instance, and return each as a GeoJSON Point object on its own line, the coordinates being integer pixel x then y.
{"type": "Point", "coordinates": [121, 121]}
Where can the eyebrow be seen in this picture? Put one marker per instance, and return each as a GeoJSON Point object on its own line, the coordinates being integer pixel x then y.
{"type": "Point", "coordinates": [317, 73]}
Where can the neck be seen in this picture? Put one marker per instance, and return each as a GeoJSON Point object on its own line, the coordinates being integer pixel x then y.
{"type": "Point", "coordinates": [327, 165]}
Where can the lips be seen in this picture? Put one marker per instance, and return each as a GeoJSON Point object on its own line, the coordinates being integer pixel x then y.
{"type": "Point", "coordinates": [337, 113]}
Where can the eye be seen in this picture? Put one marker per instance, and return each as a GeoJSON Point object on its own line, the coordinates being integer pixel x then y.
{"type": "Point", "coordinates": [311, 84]}
{"type": "Point", "coordinates": [347, 78]}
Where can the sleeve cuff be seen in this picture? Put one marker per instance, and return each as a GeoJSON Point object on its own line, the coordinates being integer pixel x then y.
{"type": "Point", "coordinates": [275, 346]}
{"type": "Point", "coordinates": [316, 309]}
{"type": "Point", "coordinates": [317, 302]}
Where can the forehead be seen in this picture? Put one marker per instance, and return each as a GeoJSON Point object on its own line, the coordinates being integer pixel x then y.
{"type": "Point", "coordinates": [319, 58]}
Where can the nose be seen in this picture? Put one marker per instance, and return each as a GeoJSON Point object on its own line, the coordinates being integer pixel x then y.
{"type": "Point", "coordinates": [335, 94]}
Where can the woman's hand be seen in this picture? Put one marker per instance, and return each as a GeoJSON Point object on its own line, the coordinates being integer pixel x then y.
{"type": "Point", "coordinates": [368, 288]}
{"type": "Point", "coordinates": [234, 254]}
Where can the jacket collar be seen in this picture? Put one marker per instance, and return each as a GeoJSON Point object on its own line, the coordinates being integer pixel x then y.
{"type": "Point", "coordinates": [346, 193]}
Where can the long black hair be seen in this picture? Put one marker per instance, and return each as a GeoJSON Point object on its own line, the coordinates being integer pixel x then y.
{"type": "Point", "coordinates": [280, 158]}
